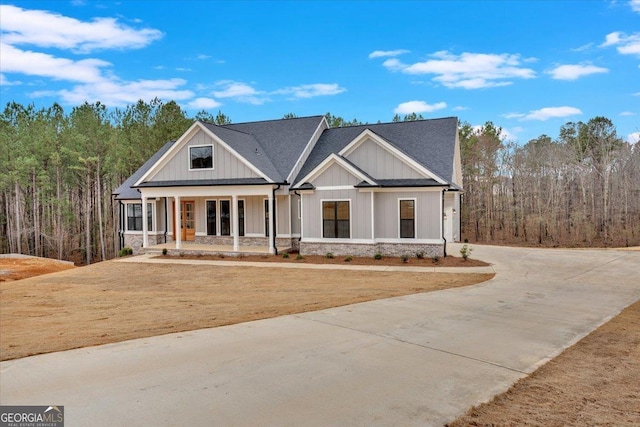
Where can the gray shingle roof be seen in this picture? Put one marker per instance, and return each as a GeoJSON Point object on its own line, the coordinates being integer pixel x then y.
{"type": "Point", "coordinates": [431, 143]}
{"type": "Point", "coordinates": [283, 140]}
{"type": "Point", "coordinates": [125, 192]}
{"type": "Point", "coordinates": [248, 147]}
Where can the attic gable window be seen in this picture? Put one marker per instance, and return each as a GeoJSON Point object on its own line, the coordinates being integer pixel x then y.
{"type": "Point", "coordinates": [200, 157]}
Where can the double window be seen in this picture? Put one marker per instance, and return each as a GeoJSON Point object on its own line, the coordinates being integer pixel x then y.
{"type": "Point", "coordinates": [225, 217]}
{"type": "Point", "coordinates": [201, 157]}
{"type": "Point", "coordinates": [407, 219]}
{"type": "Point", "coordinates": [134, 216]}
{"type": "Point", "coordinates": [336, 220]}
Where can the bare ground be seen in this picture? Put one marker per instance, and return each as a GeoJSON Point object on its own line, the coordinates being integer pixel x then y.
{"type": "Point", "coordinates": [596, 382]}
{"type": "Point", "coordinates": [115, 301]}
{"type": "Point", "coordinates": [22, 268]}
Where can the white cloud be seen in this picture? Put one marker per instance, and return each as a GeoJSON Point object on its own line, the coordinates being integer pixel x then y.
{"type": "Point", "coordinates": [311, 90]}
{"type": "Point", "coordinates": [583, 47]}
{"type": "Point", "coordinates": [635, 5]}
{"type": "Point", "coordinates": [633, 138]}
{"type": "Point", "coordinates": [203, 56]}
{"type": "Point", "coordinates": [626, 45]}
{"type": "Point", "coordinates": [627, 113]}
{"type": "Point", "coordinates": [5, 82]}
{"type": "Point", "coordinates": [418, 107]}
{"type": "Point", "coordinates": [119, 94]}
{"type": "Point", "coordinates": [183, 69]}
{"type": "Point", "coordinates": [385, 53]}
{"type": "Point", "coordinates": [460, 108]}
{"type": "Point", "coordinates": [41, 64]}
{"type": "Point", "coordinates": [239, 91]}
{"type": "Point", "coordinates": [467, 70]}
{"type": "Point", "coordinates": [203, 104]}
{"type": "Point", "coordinates": [513, 115]}
{"type": "Point", "coordinates": [575, 71]}
{"type": "Point", "coordinates": [48, 29]}
{"type": "Point", "coordinates": [551, 112]}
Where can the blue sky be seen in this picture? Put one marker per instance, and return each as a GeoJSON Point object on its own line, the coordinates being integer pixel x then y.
{"type": "Point", "coordinates": [527, 66]}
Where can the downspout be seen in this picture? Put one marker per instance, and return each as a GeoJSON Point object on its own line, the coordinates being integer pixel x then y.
{"type": "Point", "coordinates": [442, 222]}
{"type": "Point", "coordinates": [166, 218]}
{"type": "Point", "coordinates": [300, 213]}
{"type": "Point", "coordinates": [273, 218]}
{"type": "Point", "coordinates": [121, 224]}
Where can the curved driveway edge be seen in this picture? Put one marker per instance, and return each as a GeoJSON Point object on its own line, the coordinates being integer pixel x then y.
{"type": "Point", "coordinates": [413, 360]}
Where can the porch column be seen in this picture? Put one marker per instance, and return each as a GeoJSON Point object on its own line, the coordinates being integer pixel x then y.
{"type": "Point", "coordinates": [235, 226]}
{"type": "Point", "coordinates": [272, 217]}
{"type": "Point", "coordinates": [177, 223]}
{"type": "Point", "coordinates": [145, 225]}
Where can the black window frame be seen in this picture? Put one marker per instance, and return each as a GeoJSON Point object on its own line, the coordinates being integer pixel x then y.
{"type": "Point", "coordinates": [404, 222]}
{"type": "Point", "coordinates": [203, 162]}
{"type": "Point", "coordinates": [212, 225]}
{"type": "Point", "coordinates": [334, 227]}
{"type": "Point", "coordinates": [134, 217]}
{"type": "Point", "coordinates": [225, 218]}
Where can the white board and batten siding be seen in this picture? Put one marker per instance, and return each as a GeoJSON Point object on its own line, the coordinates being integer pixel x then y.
{"type": "Point", "coordinates": [360, 207]}
{"type": "Point", "coordinates": [427, 214]}
{"type": "Point", "coordinates": [225, 164]}
{"type": "Point", "coordinates": [335, 175]}
{"type": "Point", "coordinates": [380, 163]}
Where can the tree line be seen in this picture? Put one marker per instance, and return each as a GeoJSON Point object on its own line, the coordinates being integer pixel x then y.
{"type": "Point", "coordinates": [58, 171]}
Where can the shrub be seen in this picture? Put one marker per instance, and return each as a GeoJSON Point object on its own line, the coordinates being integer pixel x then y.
{"type": "Point", "coordinates": [329, 255]}
{"type": "Point", "coordinates": [285, 255]}
{"type": "Point", "coordinates": [436, 258]}
{"type": "Point", "coordinates": [378, 256]}
{"type": "Point", "coordinates": [299, 257]}
{"type": "Point", "coordinates": [420, 255]}
{"type": "Point", "coordinates": [125, 251]}
{"type": "Point", "coordinates": [465, 251]}
{"type": "Point", "coordinates": [348, 258]}
{"type": "Point", "coordinates": [164, 251]}
{"type": "Point", "coordinates": [405, 258]}
{"type": "Point", "coordinates": [466, 240]}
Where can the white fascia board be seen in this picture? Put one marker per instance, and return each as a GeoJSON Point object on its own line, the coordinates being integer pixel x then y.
{"type": "Point", "coordinates": [208, 191]}
{"type": "Point", "coordinates": [367, 133]}
{"type": "Point", "coordinates": [326, 163]}
{"type": "Point", "coordinates": [197, 126]}
{"type": "Point", "coordinates": [399, 189]}
{"type": "Point", "coordinates": [322, 126]}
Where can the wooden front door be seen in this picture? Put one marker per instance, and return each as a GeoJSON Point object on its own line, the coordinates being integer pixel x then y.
{"type": "Point", "coordinates": [187, 221]}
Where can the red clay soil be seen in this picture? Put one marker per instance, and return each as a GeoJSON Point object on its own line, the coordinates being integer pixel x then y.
{"type": "Point", "coordinates": [22, 268]}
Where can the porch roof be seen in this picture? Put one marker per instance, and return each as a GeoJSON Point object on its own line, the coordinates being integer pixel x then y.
{"type": "Point", "coordinates": [206, 182]}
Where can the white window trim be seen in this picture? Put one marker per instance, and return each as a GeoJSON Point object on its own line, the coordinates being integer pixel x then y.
{"type": "Point", "coordinates": [213, 158]}
{"type": "Point", "coordinates": [336, 239]}
{"type": "Point", "coordinates": [206, 217]}
{"type": "Point", "coordinates": [264, 214]}
{"type": "Point", "coordinates": [153, 217]}
{"type": "Point", "coordinates": [219, 218]}
{"type": "Point", "coordinates": [244, 219]}
{"type": "Point", "coordinates": [415, 218]}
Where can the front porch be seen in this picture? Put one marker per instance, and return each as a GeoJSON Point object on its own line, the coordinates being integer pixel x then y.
{"type": "Point", "coordinates": [190, 248]}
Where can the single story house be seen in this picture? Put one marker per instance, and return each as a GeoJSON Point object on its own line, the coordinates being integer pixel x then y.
{"type": "Point", "coordinates": [296, 184]}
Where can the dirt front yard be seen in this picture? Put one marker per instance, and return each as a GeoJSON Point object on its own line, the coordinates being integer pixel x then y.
{"type": "Point", "coordinates": [115, 301]}
{"type": "Point", "coordinates": [21, 268]}
{"type": "Point", "coordinates": [596, 382]}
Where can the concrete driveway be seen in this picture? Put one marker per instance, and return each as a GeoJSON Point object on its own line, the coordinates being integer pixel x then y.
{"type": "Point", "coordinates": [414, 360]}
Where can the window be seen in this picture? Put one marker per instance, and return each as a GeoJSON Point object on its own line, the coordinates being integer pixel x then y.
{"type": "Point", "coordinates": [241, 217]}
{"type": "Point", "coordinates": [336, 220]}
{"type": "Point", "coordinates": [134, 217]}
{"type": "Point", "coordinates": [201, 157]}
{"type": "Point", "coordinates": [225, 218]}
{"type": "Point", "coordinates": [407, 219]}
{"type": "Point", "coordinates": [211, 218]}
